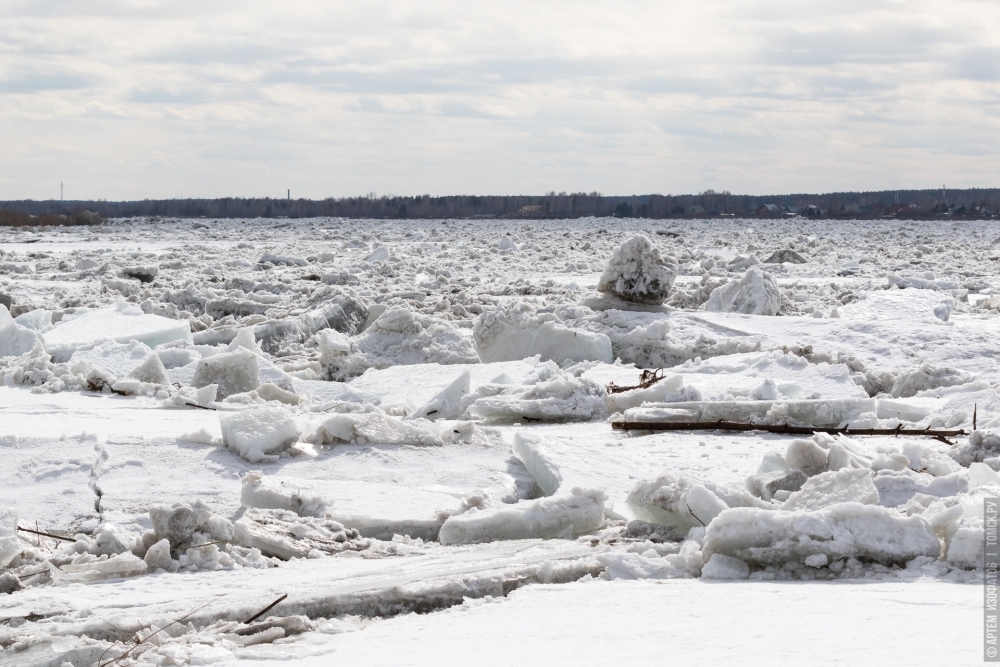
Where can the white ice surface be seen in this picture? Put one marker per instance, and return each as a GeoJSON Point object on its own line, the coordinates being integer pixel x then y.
{"type": "Point", "coordinates": [637, 621]}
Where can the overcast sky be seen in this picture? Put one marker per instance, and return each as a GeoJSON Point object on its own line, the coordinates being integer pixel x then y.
{"type": "Point", "coordinates": [145, 99]}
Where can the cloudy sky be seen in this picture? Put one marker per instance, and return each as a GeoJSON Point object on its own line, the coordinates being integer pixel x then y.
{"type": "Point", "coordinates": [125, 99]}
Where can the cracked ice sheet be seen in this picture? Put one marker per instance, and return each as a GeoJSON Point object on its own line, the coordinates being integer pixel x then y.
{"type": "Point", "coordinates": [588, 455]}
{"type": "Point", "coordinates": [238, 593]}
{"type": "Point", "coordinates": [136, 473]}
{"type": "Point", "coordinates": [693, 622]}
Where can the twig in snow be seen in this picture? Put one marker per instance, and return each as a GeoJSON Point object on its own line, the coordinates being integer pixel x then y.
{"type": "Point", "coordinates": [264, 610]}
{"type": "Point", "coordinates": [200, 407]}
{"type": "Point", "coordinates": [646, 380]}
{"type": "Point", "coordinates": [38, 532]}
{"type": "Point", "coordinates": [146, 639]}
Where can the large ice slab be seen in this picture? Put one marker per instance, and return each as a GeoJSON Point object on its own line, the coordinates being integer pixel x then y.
{"type": "Point", "coordinates": [121, 324]}
{"type": "Point", "coordinates": [847, 530]}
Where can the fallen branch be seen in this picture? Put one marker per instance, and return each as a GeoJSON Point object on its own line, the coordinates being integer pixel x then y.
{"type": "Point", "coordinates": [723, 425]}
{"type": "Point", "coordinates": [200, 407]}
{"type": "Point", "coordinates": [38, 532]}
{"type": "Point", "coordinates": [646, 380]}
{"type": "Point", "coordinates": [264, 610]}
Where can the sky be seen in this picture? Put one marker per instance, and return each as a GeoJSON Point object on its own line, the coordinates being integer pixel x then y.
{"type": "Point", "coordinates": [134, 99]}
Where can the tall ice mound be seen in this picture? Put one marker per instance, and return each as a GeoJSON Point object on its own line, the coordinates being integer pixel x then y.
{"type": "Point", "coordinates": [756, 293]}
{"type": "Point", "coordinates": [636, 272]}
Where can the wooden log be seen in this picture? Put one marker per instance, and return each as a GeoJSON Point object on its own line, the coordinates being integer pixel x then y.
{"type": "Point", "coordinates": [723, 425]}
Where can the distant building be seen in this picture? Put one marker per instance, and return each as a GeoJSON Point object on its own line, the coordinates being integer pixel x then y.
{"type": "Point", "coordinates": [696, 210]}
{"type": "Point", "coordinates": [769, 210]}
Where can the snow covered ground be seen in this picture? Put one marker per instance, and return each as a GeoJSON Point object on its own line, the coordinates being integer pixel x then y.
{"type": "Point", "coordinates": [405, 428]}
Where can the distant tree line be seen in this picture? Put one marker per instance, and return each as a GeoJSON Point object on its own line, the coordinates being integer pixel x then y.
{"type": "Point", "coordinates": [890, 203]}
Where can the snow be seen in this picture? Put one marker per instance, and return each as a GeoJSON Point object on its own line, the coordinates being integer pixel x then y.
{"type": "Point", "coordinates": [363, 467]}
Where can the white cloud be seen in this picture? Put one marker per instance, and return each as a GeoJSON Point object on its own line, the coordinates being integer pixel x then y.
{"type": "Point", "coordinates": [158, 99]}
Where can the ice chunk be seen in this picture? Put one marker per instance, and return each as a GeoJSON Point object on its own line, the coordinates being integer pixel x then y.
{"type": "Point", "coordinates": [276, 259]}
{"type": "Point", "coordinates": [144, 274]}
{"type": "Point", "coordinates": [448, 403]}
{"type": "Point", "coordinates": [721, 566]}
{"type": "Point", "coordinates": [807, 456]}
{"type": "Point", "coordinates": [401, 337]}
{"type": "Point", "coordinates": [756, 293]}
{"type": "Point", "coordinates": [10, 544]}
{"type": "Point", "coordinates": [637, 272]}
{"type": "Point", "coordinates": [848, 530]}
{"type": "Point", "coordinates": [805, 412]}
{"type": "Point", "coordinates": [625, 565]}
{"type": "Point", "coordinates": [285, 534]}
{"type": "Point", "coordinates": [377, 511]}
{"type": "Point", "coordinates": [233, 372]}
{"type": "Point", "coordinates": [256, 433]}
{"type": "Point", "coordinates": [122, 323]}
{"type": "Point", "coordinates": [158, 555]}
{"type": "Point", "coordinates": [785, 256]}
{"type": "Point", "coordinates": [928, 376]}
{"type": "Point", "coordinates": [672, 500]}
{"type": "Point", "coordinates": [507, 244]}
{"type": "Point", "coordinates": [765, 485]}
{"type": "Point", "coordinates": [378, 255]}
{"type": "Point", "coordinates": [9, 583]}
{"type": "Point", "coordinates": [151, 370]}
{"type": "Point", "coordinates": [375, 428]}
{"type": "Point", "coordinates": [982, 445]}
{"type": "Point", "coordinates": [830, 488]}
{"type": "Point", "coordinates": [897, 488]}
{"type": "Point", "coordinates": [518, 332]}
{"type": "Point", "coordinates": [533, 453]}
{"type": "Point", "coordinates": [39, 320]}
{"type": "Point", "coordinates": [565, 516]}
{"type": "Point", "coordinates": [15, 339]}
{"type": "Point", "coordinates": [557, 396]}
{"type": "Point", "coordinates": [122, 565]}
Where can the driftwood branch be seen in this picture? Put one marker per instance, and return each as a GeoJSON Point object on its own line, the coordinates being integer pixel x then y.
{"type": "Point", "coordinates": [265, 610]}
{"type": "Point", "coordinates": [723, 425]}
{"type": "Point", "coordinates": [38, 532]}
{"type": "Point", "coordinates": [646, 380]}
